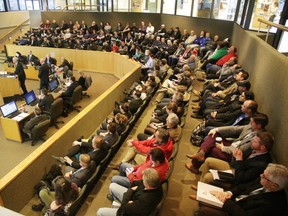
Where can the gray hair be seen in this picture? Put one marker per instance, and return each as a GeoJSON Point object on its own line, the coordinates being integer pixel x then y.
{"type": "Point", "coordinates": [173, 119]}
{"type": "Point", "coordinates": [278, 174]}
{"type": "Point", "coordinates": [151, 177]}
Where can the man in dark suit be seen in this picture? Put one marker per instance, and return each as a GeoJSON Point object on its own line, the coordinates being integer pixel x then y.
{"type": "Point", "coordinates": [141, 199]}
{"type": "Point", "coordinates": [81, 175]}
{"type": "Point", "coordinates": [70, 89]}
{"type": "Point", "coordinates": [32, 59]}
{"type": "Point", "coordinates": [264, 196]}
{"type": "Point", "coordinates": [225, 149]}
{"type": "Point", "coordinates": [112, 136]}
{"type": "Point", "coordinates": [248, 165]}
{"type": "Point", "coordinates": [45, 100]}
{"type": "Point", "coordinates": [95, 148]}
{"type": "Point", "coordinates": [34, 41]}
{"type": "Point", "coordinates": [135, 102]}
{"type": "Point", "coordinates": [43, 74]}
{"type": "Point", "coordinates": [38, 118]}
{"type": "Point", "coordinates": [50, 61]}
{"type": "Point", "coordinates": [19, 71]}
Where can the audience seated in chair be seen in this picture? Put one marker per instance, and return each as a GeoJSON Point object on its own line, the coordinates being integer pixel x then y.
{"type": "Point", "coordinates": [264, 196]}
{"type": "Point", "coordinates": [95, 148]}
{"type": "Point", "coordinates": [78, 177]}
{"type": "Point", "coordinates": [136, 147]}
{"type": "Point", "coordinates": [225, 149]}
{"type": "Point", "coordinates": [58, 201]}
{"type": "Point", "coordinates": [34, 121]}
{"type": "Point", "coordinates": [84, 81]}
{"type": "Point", "coordinates": [130, 173]}
{"type": "Point", "coordinates": [45, 100]}
{"type": "Point", "coordinates": [140, 199]}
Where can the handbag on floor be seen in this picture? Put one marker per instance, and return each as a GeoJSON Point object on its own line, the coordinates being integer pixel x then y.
{"type": "Point", "coordinates": [198, 134]}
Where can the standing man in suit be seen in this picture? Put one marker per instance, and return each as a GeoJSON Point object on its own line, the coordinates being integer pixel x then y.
{"type": "Point", "coordinates": [19, 71]}
{"type": "Point", "coordinates": [43, 74]}
{"type": "Point", "coordinates": [265, 196]}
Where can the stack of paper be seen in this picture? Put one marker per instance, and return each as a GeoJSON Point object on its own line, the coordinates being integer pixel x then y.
{"type": "Point", "coordinates": [204, 195]}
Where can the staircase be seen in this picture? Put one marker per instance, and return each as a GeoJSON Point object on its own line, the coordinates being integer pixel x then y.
{"type": "Point", "coordinates": [3, 58]}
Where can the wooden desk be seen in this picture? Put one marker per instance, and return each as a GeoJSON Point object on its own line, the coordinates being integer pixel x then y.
{"type": "Point", "coordinates": [12, 128]}
{"type": "Point", "coordinates": [9, 86]}
{"type": "Point", "coordinates": [30, 71]}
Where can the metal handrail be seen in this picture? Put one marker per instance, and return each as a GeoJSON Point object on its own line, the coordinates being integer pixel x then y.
{"type": "Point", "coordinates": [80, 6]}
{"type": "Point", "coordinates": [5, 35]}
{"type": "Point", "coordinates": [270, 24]}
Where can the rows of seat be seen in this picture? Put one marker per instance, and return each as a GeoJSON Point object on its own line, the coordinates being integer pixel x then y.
{"type": "Point", "coordinates": [100, 169]}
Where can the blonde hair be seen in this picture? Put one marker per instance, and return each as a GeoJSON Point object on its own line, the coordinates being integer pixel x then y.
{"type": "Point", "coordinates": [85, 159]}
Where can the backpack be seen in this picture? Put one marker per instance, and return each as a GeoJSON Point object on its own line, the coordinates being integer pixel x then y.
{"type": "Point", "coordinates": [48, 178]}
{"type": "Point", "coordinates": [198, 134]}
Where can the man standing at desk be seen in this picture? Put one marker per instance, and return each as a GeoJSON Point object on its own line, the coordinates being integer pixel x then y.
{"type": "Point", "coordinates": [43, 74]}
{"type": "Point", "coordinates": [20, 73]}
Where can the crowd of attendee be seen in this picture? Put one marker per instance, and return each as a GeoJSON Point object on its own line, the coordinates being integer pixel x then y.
{"type": "Point", "coordinates": [234, 138]}
{"type": "Point", "coordinates": [226, 104]}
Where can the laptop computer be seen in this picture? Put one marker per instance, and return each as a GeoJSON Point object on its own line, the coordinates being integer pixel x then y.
{"type": "Point", "coordinates": [53, 86]}
{"type": "Point", "coordinates": [9, 110]}
{"type": "Point", "coordinates": [30, 98]}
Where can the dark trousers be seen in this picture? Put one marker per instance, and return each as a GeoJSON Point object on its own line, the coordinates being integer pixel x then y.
{"type": "Point", "coordinates": [23, 86]}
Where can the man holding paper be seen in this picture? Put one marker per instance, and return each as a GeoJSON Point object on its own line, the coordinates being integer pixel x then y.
{"type": "Point", "coordinates": [264, 196]}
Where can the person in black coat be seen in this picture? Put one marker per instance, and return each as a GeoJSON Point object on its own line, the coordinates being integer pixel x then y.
{"type": "Point", "coordinates": [139, 200]}
{"type": "Point", "coordinates": [50, 60]}
{"type": "Point", "coordinates": [95, 148]}
{"type": "Point", "coordinates": [45, 100]}
{"type": "Point", "coordinates": [43, 74]}
{"type": "Point", "coordinates": [70, 89]}
{"type": "Point", "coordinates": [32, 59]}
{"type": "Point", "coordinates": [19, 71]}
{"type": "Point", "coordinates": [264, 196]}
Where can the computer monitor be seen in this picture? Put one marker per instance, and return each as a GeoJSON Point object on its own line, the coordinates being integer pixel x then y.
{"type": "Point", "coordinates": [9, 108]}
{"type": "Point", "coordinates": [30, 97]}
{"type": "Point", "coordinates": [53, 84]}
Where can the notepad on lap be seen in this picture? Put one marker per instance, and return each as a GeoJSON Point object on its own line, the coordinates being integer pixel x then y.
{"type": "Point", "coordinates": [224, 175]}
{"type": "Point", "coordinates": [204, 195]}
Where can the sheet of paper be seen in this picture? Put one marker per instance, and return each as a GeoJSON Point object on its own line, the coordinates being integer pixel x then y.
{"type": "Point", "coordinates": [21, 116]}
{"type": "Point", "coordinates": [204, 195]}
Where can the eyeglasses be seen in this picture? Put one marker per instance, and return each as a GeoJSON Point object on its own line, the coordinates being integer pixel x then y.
{"type": "Point", "coordinates": [264, 177]}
